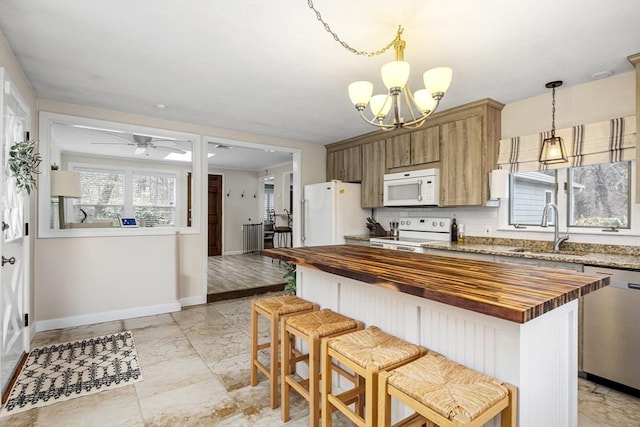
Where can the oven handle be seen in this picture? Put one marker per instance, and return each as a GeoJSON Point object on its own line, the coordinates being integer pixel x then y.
{"type": "Point", "coordinates": [419, 190]}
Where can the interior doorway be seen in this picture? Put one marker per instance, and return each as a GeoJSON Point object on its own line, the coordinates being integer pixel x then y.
{"type": "Point", "coordinates": [214, 215]}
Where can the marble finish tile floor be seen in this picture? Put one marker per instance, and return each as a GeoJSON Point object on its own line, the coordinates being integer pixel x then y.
{"type": "Point", "coordinates": [196, 373]}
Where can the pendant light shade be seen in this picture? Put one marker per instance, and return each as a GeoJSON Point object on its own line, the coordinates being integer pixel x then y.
{"type": "Point", "coordinates": [395, 74]}
{"type": "Point", "coordinates": [360, 92]}
{"type": "Point", "coordinates": [380, 105]}
{"type": "Point", "coordinates": [552, 150]}
{"type": "Point", "coordinates": [437, 80]}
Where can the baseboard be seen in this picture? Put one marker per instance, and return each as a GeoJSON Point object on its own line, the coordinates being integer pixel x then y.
{"type": "Point", "coordinates": [185, 302]}
{"type": "Point", "coordinates": [106, 316]}
{"type": "Point", "coordinates": [233, 253]}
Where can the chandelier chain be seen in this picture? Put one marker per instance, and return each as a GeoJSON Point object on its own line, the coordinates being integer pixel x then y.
{"type": "Point", "coordinates": [346, 45]}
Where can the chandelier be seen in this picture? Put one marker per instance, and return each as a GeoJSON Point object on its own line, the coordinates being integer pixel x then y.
{"type": "Point", "coordinates": [389, 110]}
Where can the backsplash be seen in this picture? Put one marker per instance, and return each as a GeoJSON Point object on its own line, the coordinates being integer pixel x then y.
{"type": "Point", "coordinates": [483, 222]}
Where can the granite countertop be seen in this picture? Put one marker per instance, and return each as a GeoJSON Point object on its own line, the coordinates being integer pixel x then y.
{"type": "Point", "coordinates": [586, 254]}
{"type": "Point", "coordinates": [361, 237]}
{"type": "Point", "coordinates": [492, 288]}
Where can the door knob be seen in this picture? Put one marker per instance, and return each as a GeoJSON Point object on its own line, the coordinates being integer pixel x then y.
{"type": "Point", "coordinates": [5, 226]}
{"type": "Point", "coordinates": [11, 260]}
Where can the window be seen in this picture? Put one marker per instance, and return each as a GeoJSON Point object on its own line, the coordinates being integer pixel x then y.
{"type": "Point", "coordinates": [598, 195]}
{"type": "Point", "coordinates": [595, 196]}
{"type": "Point", "coordinates": [530, 192]}
{"type": "Point", "coordinates": [269, 200]}
{"type": "Point", "coordinates": [109, 193]}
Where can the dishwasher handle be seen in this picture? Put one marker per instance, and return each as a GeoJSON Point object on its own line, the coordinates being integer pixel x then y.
{"type": "Point", "coordinates": [634, 286]}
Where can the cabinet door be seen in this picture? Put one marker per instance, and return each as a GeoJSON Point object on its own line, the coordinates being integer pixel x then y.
{"type": "Point", "coordinates": [335, 165]}
{"type": "Point", "coordinates": [352, 164]}
{"type": "Point", "coordinates": [461, 162]}
{"type": "Point", "coordinates": [425, 145]}
{"type": "Point", "coordinates": [373, 167]}
{"type": "Point", "coordinates": [398, 151]}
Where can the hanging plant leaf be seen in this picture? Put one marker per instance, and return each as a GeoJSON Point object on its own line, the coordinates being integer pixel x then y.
{"type": "Point", "coordinates": [24, 161]}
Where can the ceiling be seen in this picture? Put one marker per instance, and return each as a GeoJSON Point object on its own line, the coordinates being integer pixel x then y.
{"type": "Point", "coordinates": [270, 68]}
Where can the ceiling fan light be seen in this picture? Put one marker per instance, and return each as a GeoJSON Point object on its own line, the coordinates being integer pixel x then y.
{"type": "Point", "coordinates": [437, 80]}
{"type": "Point", "coordinates": [380, 105]}
{"type": "Point", "coordinates": [424, 101]}
{"type": "Point", "coordinates": [139, 150]}
{"type": "Point", "coordinates": [395, 74]}
{"type": "Point", "coordinates": [360, 93]}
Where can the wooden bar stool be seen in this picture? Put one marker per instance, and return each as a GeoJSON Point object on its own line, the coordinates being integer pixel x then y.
{"type": "Point", "coordinates": [310, 328]}
{"type": "Point", "coordinates": [446, 394]}
{"type": "Point", "coordinates": [366, 353]}
{"type": "Point", "coordinates": [274, 309]}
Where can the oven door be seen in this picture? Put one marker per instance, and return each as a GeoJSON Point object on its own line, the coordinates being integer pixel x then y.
{"type": "Point", "coordinates": [411, 191]}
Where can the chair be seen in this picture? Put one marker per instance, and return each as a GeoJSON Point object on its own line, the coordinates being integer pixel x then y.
{"type": "Point", "coordinates": [446, 394]}
{"type": "Point", "coordinates": [274, 309]}
{"type": "Point", "coordinates": [284, 232]}
{"type": "Point", "coordinates": [366, 353]}
{"type": "Point", "coordinates": [310, 328]}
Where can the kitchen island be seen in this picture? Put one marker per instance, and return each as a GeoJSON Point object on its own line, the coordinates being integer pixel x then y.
{"type": "Point", "coordinates": [513, 322]}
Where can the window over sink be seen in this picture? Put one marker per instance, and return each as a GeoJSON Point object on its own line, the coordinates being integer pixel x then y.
{"type": "Point", "coordinates": [593, 197]}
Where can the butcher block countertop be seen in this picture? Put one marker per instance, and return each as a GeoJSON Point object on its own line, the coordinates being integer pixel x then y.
{"type": "Point", "coordinates": [514, 292]}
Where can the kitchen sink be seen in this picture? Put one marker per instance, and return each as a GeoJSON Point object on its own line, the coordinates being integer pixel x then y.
{"type": "Point", "coordinates": [542, 252]}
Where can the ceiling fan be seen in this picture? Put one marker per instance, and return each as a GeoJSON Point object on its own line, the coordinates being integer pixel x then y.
{"type": "Point", "coordinates": [145, 143]}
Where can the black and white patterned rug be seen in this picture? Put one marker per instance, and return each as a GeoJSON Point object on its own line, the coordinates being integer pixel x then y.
{"type": "Point", "coordinates": [65, 371]}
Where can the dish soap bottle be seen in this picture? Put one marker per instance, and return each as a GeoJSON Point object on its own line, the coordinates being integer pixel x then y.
{"type": "Point", "coordinates": [454, 231]}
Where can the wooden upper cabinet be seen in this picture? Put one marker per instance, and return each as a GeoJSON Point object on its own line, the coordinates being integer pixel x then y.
{"type": "Point", "coordinates": [461, 154]}
{"type": "Point", "coordinates": [345, 165]}
{"type": "Point", "coordinates": [398, 151]}
{"type": "Point", "coordinates": [373, 169]}
{"type": "Point", "coordinates": [425, 145]}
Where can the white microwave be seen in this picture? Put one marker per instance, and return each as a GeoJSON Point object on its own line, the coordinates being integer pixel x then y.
{"type": "Point", "coordinates": [414, 188]}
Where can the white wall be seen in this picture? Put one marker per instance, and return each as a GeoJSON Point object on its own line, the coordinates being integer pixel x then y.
{"type": "Point", "coordinates": [596, 101]}
{"type": "Point", "coordinates": [190, 283]}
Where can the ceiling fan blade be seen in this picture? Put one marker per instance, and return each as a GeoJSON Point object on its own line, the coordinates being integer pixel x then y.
{"type": "Point", "coordinates": [140, 150]}
{"type": "Point", "coordinates": [170, 149]}
{"type": "Point", "coordinates": [112, 143]}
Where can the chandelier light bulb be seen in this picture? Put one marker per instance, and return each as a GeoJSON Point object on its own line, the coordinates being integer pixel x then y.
{"type": "Point", "coordinates": [380, 105]}
{"type": "Point", "coordinates": [437, 80]}
{"type": "Point", "coordinates": [395, 74]}
{"type": "Point", "coordinates": [360, 92]}
{"type": "Point", "coordinates": [425, 102]}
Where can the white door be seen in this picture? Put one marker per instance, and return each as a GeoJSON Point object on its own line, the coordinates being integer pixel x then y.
{"type": "Point", "coordinates": [13, 243]}
{"type": "Point", "coordinates": [319, 216]}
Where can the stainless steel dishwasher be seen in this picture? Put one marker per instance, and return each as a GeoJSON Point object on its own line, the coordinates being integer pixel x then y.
{"type": "Point", "coordinates": [611, 334]}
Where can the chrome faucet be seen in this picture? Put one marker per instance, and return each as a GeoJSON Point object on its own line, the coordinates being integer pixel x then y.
{"type": "Point", "coordinates": [557, 240]}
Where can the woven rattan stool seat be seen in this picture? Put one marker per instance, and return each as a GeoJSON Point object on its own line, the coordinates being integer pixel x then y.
{"type": "Point", "coordinates": [374, 348]}
{"type": "Point", "coordinates": [284, 304]}
{"type": "Point", "coordinates": [446, 393]}
{"type": "Point", "coordinates": [323, 323]}
{"type": "Point", "coordinates": [447, 387]}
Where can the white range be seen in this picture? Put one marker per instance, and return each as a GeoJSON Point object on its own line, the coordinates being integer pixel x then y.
{"type": "Point", "coordinates": [413, 232]}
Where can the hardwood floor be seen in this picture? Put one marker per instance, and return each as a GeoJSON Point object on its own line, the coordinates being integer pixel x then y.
{"type": "Point", "coordinates": [239, 275]}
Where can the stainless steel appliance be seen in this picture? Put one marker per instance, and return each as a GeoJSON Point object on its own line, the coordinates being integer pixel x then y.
{"type": "Point", "coordinates": [414, 188]}
{"type": "Point", "coordinates": [611, 328]}
{"type": "Point", "coordinates": [413, 232]}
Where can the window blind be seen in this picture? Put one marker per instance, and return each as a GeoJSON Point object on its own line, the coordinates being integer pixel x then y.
{"type": "Point", "coordinates": [589, 144]}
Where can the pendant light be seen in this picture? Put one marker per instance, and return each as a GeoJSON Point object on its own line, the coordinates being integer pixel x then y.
{"type": "Point", "coordinates": [552, 150]}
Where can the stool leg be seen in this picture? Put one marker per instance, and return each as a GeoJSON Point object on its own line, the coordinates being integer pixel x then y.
{"type": "Point", "coordinates": [274, 361]}
{"type": "Point", "coordinates": [327, 385]}
{"type": "Point", "coordinates": [254, 344]}
{"type": "Point", "coordinates": [384, 400]}
{"type": "Point", "coordinates": [371, 391]}
{"type": "Point", "coordinates": [285, 371]}
{"type": "Point", "coordinates": [509, 414]}
{"type": "Point", "coordinates": [314, 380]}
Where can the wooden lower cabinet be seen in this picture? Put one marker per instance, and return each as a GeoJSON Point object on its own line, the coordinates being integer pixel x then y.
{"type": "Point", "coordinates": [373, 169]}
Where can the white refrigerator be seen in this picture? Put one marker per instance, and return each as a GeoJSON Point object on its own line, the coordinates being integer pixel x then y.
{"type": "Point", "coordinates": [331, 211]}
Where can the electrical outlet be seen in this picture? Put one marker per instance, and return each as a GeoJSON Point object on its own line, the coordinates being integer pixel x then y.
{"type": "Point", "coordinates": [487, 230]}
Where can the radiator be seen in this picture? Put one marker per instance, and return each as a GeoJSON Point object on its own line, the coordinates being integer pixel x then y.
{"type": "Point", "coordinates": [253, 238]}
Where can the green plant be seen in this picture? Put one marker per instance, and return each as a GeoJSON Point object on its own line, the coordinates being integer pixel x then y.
{"type": "Point", "coordinates": [24, 161]}
{"type": "Point", "coordinates": [55, 167]}
{"type": "Point", "coordinates": [290, 275]}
